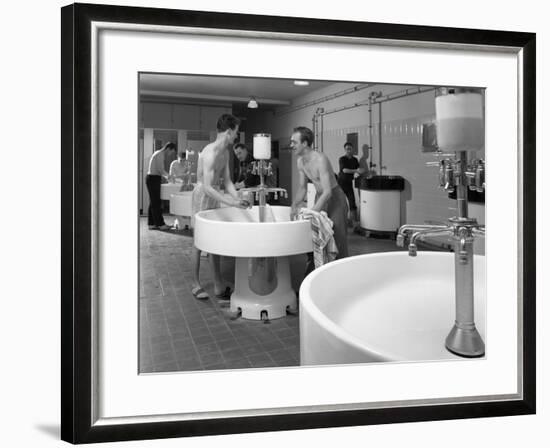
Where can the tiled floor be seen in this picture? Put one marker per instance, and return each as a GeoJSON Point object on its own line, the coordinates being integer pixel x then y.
{"type": "Point", "coordinates": [180, 333]}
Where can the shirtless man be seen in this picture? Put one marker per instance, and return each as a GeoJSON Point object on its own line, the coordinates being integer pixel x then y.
{"type": "Point", "coordinates": [213, 165]}
{"type": "Point", "coordinates": [315, 166]}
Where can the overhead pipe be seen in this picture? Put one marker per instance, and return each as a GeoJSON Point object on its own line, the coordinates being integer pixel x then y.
{"type": "Point", "coordinates": [332, 96]}
{"type": "Point", "coordinates": [374, 98]}
{"type": "Point", "coordinates": [316, 138]}
{"type": "Point", "coordinates": [381, 98]}
{"type": "Point", "coordinates": [380, 166]}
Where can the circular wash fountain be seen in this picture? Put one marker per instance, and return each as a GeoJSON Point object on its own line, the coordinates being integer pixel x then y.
{"type": "Point", "coordinates": [262, 272]}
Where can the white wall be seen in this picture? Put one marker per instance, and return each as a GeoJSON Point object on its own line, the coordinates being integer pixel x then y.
{"type": "Point", "coordinates": [401, 128]}
{"type": "Point", "coordinates": [29, 333]}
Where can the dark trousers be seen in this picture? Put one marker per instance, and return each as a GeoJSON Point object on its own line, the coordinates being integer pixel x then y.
{"type": "Point", "coordinates": [347, 187]}
{"type": "Point", "coordinates": [154, 217]}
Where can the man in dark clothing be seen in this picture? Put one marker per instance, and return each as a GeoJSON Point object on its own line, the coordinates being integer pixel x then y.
{"type": "Point", "coordinates": [349, 165]}
{"type": "Point", "coordinates": [243, 176]}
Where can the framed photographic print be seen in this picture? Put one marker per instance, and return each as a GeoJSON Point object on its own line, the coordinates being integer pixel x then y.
{"type": "Point", "coordinates": [276, 223]}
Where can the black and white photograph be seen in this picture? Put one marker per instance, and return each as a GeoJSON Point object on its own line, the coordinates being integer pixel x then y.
{"type": "Point", "coordinates": [296, 222]}
{"type": "Point", "coordinates": [269, 224]}
{"type": "Point", "coordinates": [247, 224]}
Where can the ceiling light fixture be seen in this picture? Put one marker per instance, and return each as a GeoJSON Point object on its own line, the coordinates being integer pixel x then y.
{"type": "Point", "coordinates": [301, 83]}
{"type": "Point", "coordinates": [252, 104]}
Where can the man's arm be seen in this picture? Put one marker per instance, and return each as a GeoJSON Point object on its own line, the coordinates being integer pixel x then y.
{"type": "Point", "coordinates": [160, 161]}
{"type": "Point", "coordinates": [349, 170]}
{"type": "Point", "coordinates": [172, 172]}
{"type": "Point", "coordinates": [230, 187]}
{"type": "Point", "coordinates": [325, 177]}
{"type": "Point", "coordinates": [208, 163]}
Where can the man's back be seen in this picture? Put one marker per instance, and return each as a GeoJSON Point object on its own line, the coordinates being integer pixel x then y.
{"type": "Point", "coordinates": [212, 158]}
{"type": "Point", "coordinates": [156, 163]}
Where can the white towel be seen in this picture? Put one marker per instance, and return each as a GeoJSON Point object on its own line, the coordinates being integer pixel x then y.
{"type": "Point", "coordinates": [324, 246]}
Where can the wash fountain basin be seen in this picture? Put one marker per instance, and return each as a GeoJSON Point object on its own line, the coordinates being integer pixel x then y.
{"type": "Point", "coordinates": [262, 271]}
{"type": "Point", "coordinates": [384, 307]}
{"type": "Point", "coordinates": [237, 232]}
{"type": "Point", "coordinates": [170, 188]}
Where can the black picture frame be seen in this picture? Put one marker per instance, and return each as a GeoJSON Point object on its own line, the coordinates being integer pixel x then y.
{"type": "Point", "coordinates": [77, 425]}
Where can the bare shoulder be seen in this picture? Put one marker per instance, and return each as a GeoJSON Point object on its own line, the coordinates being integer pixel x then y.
{"type": "Point", "coordinates": [323, 159]}
{"type": "Point", "coordinates": [208, 152]}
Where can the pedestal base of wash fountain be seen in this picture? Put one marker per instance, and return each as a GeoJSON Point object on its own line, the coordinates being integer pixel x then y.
{"type": "Point", "coordinates": [255, 299]}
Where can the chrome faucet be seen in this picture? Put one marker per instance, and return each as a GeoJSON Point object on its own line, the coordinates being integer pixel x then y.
{"type": "Point", "coordinates": [457, 174]}
{"type": "Point", "coordinates": [263, 169]}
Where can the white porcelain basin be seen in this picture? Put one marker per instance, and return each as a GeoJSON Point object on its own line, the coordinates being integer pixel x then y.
{"type": "Point", "coordinates": [238, 233]}
{"type": "Point", "coordinates": [262, 274]}
{"type": "Point", "coordinates": [170, 188]}
{"type": "Point", "coordinates": [383, 307]}
{"type": "Point", "coordinates": [181, 204]}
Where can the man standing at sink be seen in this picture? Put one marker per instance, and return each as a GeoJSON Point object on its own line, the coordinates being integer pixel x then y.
{"type": "Point", "coordinates": [212, 167]}
{"type": "Point", "coordinates": [316, 166]}
{"type": "Point", "coordinates": [349, 167]}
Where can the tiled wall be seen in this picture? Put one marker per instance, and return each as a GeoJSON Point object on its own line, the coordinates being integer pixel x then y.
{"type": "Point", "coordinates": [401, 130]}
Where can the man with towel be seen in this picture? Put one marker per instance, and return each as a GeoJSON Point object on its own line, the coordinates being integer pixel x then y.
{"type": "Point", "coordinates": [213, 165]}
{"type": "Point", "coordinates": [315, 166]}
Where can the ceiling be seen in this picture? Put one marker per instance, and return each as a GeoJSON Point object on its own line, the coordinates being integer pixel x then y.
{"type": "Point", "coordinates": [233, 90]}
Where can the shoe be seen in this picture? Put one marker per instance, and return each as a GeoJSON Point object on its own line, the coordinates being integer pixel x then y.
{"type": "Point", "coordinates": [199, 293]}
{"type": "Point", "coordinates": [226, 295]}
{"type": "Point", "coordinates": [292, 311]}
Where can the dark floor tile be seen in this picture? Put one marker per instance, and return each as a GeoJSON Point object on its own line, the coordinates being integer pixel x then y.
{"type": "Point", "coordinates": [161, 358]}
{"type": "Point", "coordinates": [219, 366]}
{"type": "Point", "coordinates": [179, 328]}
{"type": "Point", "coordinates": [209, 359]}
{"type": "Point", "coordinates": [226, 343]}
{"type": "Point", "coordinates": [181, 333]}
{"type": "Point", "coordinates": [272, 345]}
{"type": "Point", "coordinates": [205, 339]}
{"type": "Point", "coordinates": [196, 326]}
{"type": "Point", "coordinates": [200, 333]}
{"type": "Point", "coordinates": [147, 368]}
{"type": "Point", "coordinates": [170, 366]}
{"type": "Point", "coordinates": [161, 346]}
{"type": "Point", "coordinates": [246, 341]}
{"type": "Point", "coordinates": [233, 354]}
{"type": "Point", "coordinates": [279, 355]}
{"type": "Point", "coordinates": [238, 364]}
{"type": "Point", "coordinates": [207, 348]}
{"type": "Point", "coordinates": [282, 333]}
{"type": "Point", "coordinates": [261, 360]}
{"type": "Point", "coordinates": [185, 353]}
{"type": "Point", "coordinates": [181, 346]}
{"type": "Point", "coordinates": [278, 323]}
{"type": "Point", "coordinates": [265, 336]}
{"type": "Point", "coordinates": [290, 362]}
{"type": "Point", "coordinates": [253, 350]}
{"type": "Point", "coordinates": [191, 358]}
{"type": "Point", "coordinates": [190, 364]}
{"type": "Point", "coordinates": [241, 332]}
{"type": "Point", "coordinates": [175, 319]}
{"type": "Point", "coordinates": [216, 323]}
{"type": "Point", "coordinates": [293, 341]}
